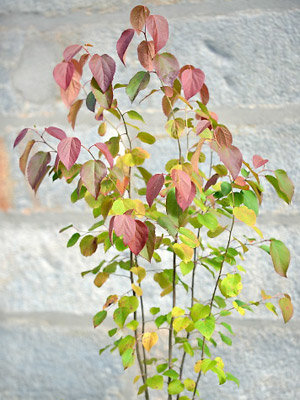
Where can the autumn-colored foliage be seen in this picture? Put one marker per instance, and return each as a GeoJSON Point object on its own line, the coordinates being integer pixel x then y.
{"type": "Point", "coordinates": [179, 210]}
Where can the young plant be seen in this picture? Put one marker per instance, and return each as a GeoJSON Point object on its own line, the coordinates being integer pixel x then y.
{"type": "Point", "coordinates": [180, 210]}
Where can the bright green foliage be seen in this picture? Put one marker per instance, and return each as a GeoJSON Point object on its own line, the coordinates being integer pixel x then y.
{"type": "Point", "coordinates": [170, 228]}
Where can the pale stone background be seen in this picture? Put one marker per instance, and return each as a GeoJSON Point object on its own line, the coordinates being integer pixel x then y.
{"type": "Point", "coordinates": [249, 51]}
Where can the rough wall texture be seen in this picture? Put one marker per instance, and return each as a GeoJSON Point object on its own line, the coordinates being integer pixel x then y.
{"type": "Point", "coordinates": [249, 51]}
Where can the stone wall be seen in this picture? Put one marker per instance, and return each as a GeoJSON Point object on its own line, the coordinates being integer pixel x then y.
{"type": "Point", "coordinates": [249, 51]}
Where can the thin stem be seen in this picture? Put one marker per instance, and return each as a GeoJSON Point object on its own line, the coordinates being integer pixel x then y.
{"type": "Point", "coordinates": [212, 299]}
{"type": "Point", "coordinates": [172, 319]}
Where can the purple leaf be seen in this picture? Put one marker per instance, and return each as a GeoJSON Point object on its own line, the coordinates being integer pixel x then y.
{"type": "Point", "coordinates": [20, 136]}
{"type": "Point", "coordinates": [167, 67]}
{"type": "Point", "coordinates": [37, 168]}
{"type": "Point", "coordinates": [68, 151]}
{"type": "Point", "coordinates": [56, 132]}
{"type": "Point", "coordinates": [158, 28]}
{"type": "Point", "coordinates": [154, 186]}
{"type": "Point", "coordinates": [92, 172]}
{"type": "Point", "coordinates": [192, 80]}
{"type": "Point", "coordinates": [212, 181]}
{"type": "Point", "coordinates": [104, 149]}
{"type": "Point", "coordinates": [103, 69]}
{"type": "Point", "coordinates": [123, 43]}
{"type": "Point", "coordinates": [140, 237]}
{"type": "Point", "coordinates": [71, 51]}
{"type": "Point", "coordinates": [63, 73]}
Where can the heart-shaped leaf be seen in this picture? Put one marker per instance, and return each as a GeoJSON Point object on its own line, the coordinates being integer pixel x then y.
{"type": "Point", "coordinates": [63, 73]}
{"type": "Point", "coordinates": [158, 28]}
{"type": "Point", "coordinates": [92, 173]}
{"type": "Point", "coordinates": [140, 238]}
{"type": "Point", "coordinates": [71, 51]}
{"type": "Point", "coordinates": [37, 168]}
{"type": "Point", "coordinates": [146, 52]}
{"type": "Point", "coordinates": [137, 83]}
{"type": "Point", "coordinates": [138, 17]}
{"type": "Point", "coordinates": [103, 69]}
{"type": "Point", "coordinates": [167, 67]}
{"type": "Point", "coordinates": [68, 151]}
{"type": "Point", "coordinates": [154, 186]}
{"type": "Point", "coordinates": [104, 149]}
{"type": "Point", "coordinates": [192, 80]}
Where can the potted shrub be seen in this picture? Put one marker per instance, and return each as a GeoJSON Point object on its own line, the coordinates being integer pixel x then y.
{"type": "Point", "coordinates": [188, 209]}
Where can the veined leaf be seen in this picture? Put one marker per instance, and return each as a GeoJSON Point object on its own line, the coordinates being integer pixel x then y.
{"type": "Point", "coordinates": [280, 256]}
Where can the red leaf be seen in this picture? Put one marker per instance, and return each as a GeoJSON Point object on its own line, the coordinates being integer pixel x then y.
{"type": "Point", "coordinates": [103, 69]}
{"type": "Point", "coordinates": [68, 151]}
{"type": "Point", "coordinates": [154, 186]}
{"type": "Point", "coordinates": [140, 237]}
{"type": "Point", "coordinates": [204, 94]}
{"type": "Point", "coordinates": [240, 181]}
{"type": "Point", "coordinates": [37, 168]}
{"type": "Point", "coordinates": [104, 149]}
{"type": "Point", "coordinates": [20, 136]}
{"type": "Point", "coordinates": [71, 93]}
{"type": "Point", "coordinates": [158, 28]}
{"type": "Point", "coordinates": [56, 132]}
{"type": "Point", "coordinates": [258, 161]}
{"type": "Point", "coordinates": [71, 51]}
{"type": "Point", "coordinates": [92, 172]}
{"type": "Point", "coordinates": [63, 73]}
{"type": "Point", "coordinates": [123, 43]}
{"type": "Point", "coordinates": [124, 225]}
{"type": "Point", "coordinates": [192, 80]}
{"type": "Point", "coordinates": [146, 53]}
{"type": "Point", "coordinates": [167, 67]}
{"type": "Point", "coordinates": [212, 181]}
{"type": "Point", "coordinates": [182, 183]}
{"type": "Point", "coordinates": [184, 201]}
{"type": "Point", "coordinates": [138, 17]}
{"type": "Point", "coordinates": [231, 157]}
{"type": "Point", "coordinates": [223, 136]}
{"type": "Point", "coordinates": [202, 124]}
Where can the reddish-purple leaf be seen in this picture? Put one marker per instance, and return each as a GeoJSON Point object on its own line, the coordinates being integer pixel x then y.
{"type": "Point", "coordinates": [192, 80]}
{"type": "Point", "coordinates": [92, 172]}
{"type": "Point", "coordinates": [63, 73]}
{"type": "Point", "coordinates": [146, 52]}
{"type": "Point", "coordinates": [140, 237]}
{"type": "Point", "coordinates": [154, 186]}
{"type": "Point", "coordinates": [167, 67]}
{"type": "Point", "coordinates": [56, 132]}
{"type": "Point", "coordinates": [71, 51]}
{"type": "Point", "coordinates": [182, 183]}
{"type": "Point", "coordinates": [20, 136]}
{"type": "Point", "coordinates": [258, 161]}
{"type": "Point", "coordinates": [124, 225]}
{"type": "Point", "coordinates": [104, 149]}
{"type": "Point", "coordinates": [37, 168]}
{"type": "Point", "coordinates": [212, 181]}
{"type": "Point", "coordinates": [71, 93]}
{"type": "Point", "coordinates": [223, 136]}
{"type": "Point", "coordinates": [56, 162]}
{"type": "Point", "coordinates": [103, 69]}
{"type": "Point", "coordinates": [202, 124]}
{"type": "Point", "coordinates": [158, 28]}
{"type": "Point", "coordinates": [184, 201]}
{"type": "Point", "coordinates": [148, 249]}
{"type": "Point", "coordinates": [204, 94]}
{"type": "Point", "coordinates": [138, 17]}
{"type": "Point", "coordinates": [68, 151]}
{"type": "Point", "coordinates": [232, 159]}
{"type": "Point", "coordinates": [123, 43]}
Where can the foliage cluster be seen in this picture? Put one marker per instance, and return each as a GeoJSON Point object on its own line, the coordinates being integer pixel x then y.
{"type": "Point", "coordinates": [182, 211]}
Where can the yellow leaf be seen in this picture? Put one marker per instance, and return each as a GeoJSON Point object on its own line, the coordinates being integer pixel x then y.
{"type": "Point", "coordinates": [183, 251]}
{"type": "Point", "coordinates": [245, 215]}
{"type": "Point", "coordinates": [167, 290]}
{"type": "Point", "coordinates": [136, 378]}
{"type": "Point", "coordinates": [177, 312]}
{"type": "Point", "coordinates": [140, 272]}
{"type": "Point", "coordinates": [239, 309]}
{"type": "Point", "coordinates": [137, 289]}
{"type": "Point", "coordinates": [197, 366]}
{"type": "Point", "coordinates": [258, 231]}
{"type": "Point", "coordinates": [149, 340]}
{"type": "Point", "coordinates": [220, 362]}
{"type": "Point", "coordinates": [264, 295]}
{"type": "Point", "coordinates": [181, 323]}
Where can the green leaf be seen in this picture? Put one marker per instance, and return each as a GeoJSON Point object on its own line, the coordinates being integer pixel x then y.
{"type": "Point", "coordinates": [225, 339]}
{"type": "Point", "coordinates": [220, 301]}
{"type": "Point", "coordinates": [208, 220]}
{"type": "Point", "coordinates": [155, 382]}
{"type": "Point", "coordinates": [135, 115]}
{"type": "Point", "coordinates": [120, 315]}
{"type": "Point", "coordinates": [231, 377]}
{"type": "Point", "coordinates": [286, 307]}
{"type": "Point", "coordinates": [132, 325]}
{"type": "Point", "coordinates": [285, 184]}
{"type": "Point", "coordinates": [101, 278]}
{"type": "Point", "coordinates": [199, 311]}
{"type": "Point", "coordinates": [175, 387]}
{"type": "Point", "coordinates": [137, 83]}
{"type": "Point", "coordinates": [154, 310]}
{"type": "Point", "coordinates": [90, 102]}
{"type": "Point", "coordinates": [65, 228]}
{"type": "Point", "coordinates": [221, 374]}
{"type": "Point", "coordinates": [175, 127]}
{"type": "Point", "coordinates": [271, 307]}
{"type": "Point", "coordinates": [146, 137]}
{"type": "Point", "coordinates": [160, 320]}
{"type": "Point", "coordinates": [171, 373]}
{"type": "Point", "coordinates": [73, 239]}
{"type": "Point", "coordinates": [231, 285]}
{"type": "Point", "coordinates": [88, 245]}
{"type": "Point", "coordinates": [250, 200]}
{"type": "Point", "coordinates": [131, 303]}
{"type": "Point", "coordinates": [189, 384]}
{"type": "Point", "coordinates": [128, 358]}
{"type": "Point", "coordinates": [228, 327]}
{"type": "Point", "coordinates": [126, 343]}
{"type": "Point", "coordinates": [274, 182]}
{"type": "Point", "coordinates": [186, 268]}
{"type": "Point", "coordinates": [112, 332]}
{"type": "Point", "coordinates": [225, 188]}
{"type": "Point", "coordinates": [206, 327]}
{"type": "Point", "coordinates": [161, 367]}
{"type": "Point", "coordinates": [188, 349]}
{"type": "Point", "coordinates": [165, 222]}
{"type": "Point", "coordinates": [280, 256]}
{"type": "Point", "coordinates": [99, 317]}
{"type": "Point", "coordinates": [181, 323]}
